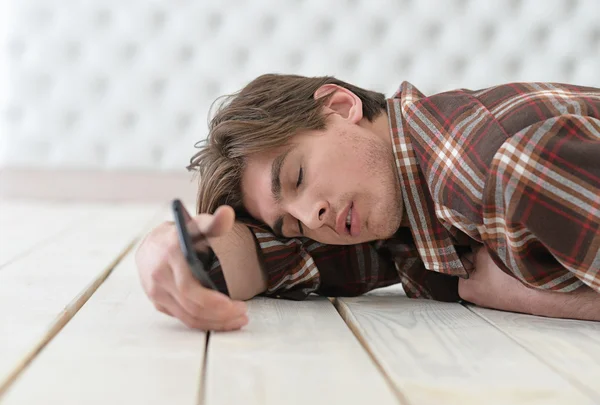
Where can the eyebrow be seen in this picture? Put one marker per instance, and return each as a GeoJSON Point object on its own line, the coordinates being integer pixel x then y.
{"type": "Point", "coordinates": [276, 189]}
{"type": "Point", "coordinates": [276, 175]}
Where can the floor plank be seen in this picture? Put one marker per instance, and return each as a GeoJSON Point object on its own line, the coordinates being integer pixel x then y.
{"type": "Point", "coordinates": [292, 353]}
{"type": "Point", "coordinates": [117, 350]}
{"type": "Point", "coordinates": [443, 353]}
{"type": "Point", "coordinates": [26, 224]}
{"type": "Point", "coordinates": [570, 347]}
{"type": "Point", "coordinates": [40, 292]}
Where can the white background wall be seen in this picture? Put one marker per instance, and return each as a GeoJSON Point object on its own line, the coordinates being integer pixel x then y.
{"type": "Point", "coordinates": [114, 84]}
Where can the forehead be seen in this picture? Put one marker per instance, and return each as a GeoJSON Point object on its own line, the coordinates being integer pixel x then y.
{"type": "Point", "coordinates": [256, 186]}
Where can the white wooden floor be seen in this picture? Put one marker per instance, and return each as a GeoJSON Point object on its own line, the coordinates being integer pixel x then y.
{"type": "Point", "coordinates": [76, 327]}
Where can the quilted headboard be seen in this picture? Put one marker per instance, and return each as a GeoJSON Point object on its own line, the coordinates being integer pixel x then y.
{"type": "Point", "coordinates": [112, 84]}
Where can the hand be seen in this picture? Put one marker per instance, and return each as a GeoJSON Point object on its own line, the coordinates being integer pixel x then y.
{"type": "Point", "coordinates": [489, 286]}
{"type": "Point", "coordinates": [168, 281]}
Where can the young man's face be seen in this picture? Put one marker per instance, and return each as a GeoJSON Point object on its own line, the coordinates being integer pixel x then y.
{"type": "Point", "coordinates": [324, 175]}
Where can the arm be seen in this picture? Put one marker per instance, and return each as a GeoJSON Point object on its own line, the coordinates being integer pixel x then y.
{"type": "Point", "coordinates": [239, 263]}
{"type": "Point", "coordinates": [167, 280]}
{"type": "Point", "coordinates": [489, 286]}
{"type": "Point", "coordinates": [294, 268]}
{"type": "Point", "coordinates": [542, 217]}
{"type": "Point", "coordinates": [251, 261]}
{"type": "Point", "coordinates": [583, 303]}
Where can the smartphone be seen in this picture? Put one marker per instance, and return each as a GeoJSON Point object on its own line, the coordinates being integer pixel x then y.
{"type": "Point", "coordinates": [187, 247]}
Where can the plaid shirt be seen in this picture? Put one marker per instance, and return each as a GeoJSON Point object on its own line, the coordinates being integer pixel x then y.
{"type": "Point", "coordinates": [514, 168]}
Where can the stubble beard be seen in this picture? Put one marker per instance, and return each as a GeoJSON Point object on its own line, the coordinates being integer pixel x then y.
{"type": "Point", "coordinates": [390, 209]}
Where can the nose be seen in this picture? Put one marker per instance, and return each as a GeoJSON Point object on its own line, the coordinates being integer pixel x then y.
{"type": "Point", "coordinates": [314, 215]}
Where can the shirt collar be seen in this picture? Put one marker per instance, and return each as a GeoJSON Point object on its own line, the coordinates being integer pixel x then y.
{"type": "Point", "coordinates": [431, 238]}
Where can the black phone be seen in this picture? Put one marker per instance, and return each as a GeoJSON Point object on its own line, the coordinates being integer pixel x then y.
{"type": "Point", "coordinates": [187, 247]}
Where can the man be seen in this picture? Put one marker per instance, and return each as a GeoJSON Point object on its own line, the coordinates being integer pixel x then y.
{"type": "Point", "coordinates": [489, 196]}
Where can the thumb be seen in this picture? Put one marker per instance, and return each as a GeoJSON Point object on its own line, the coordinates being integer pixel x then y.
{"type": "Point", "coordinates": [217, 224]}
{"type": "Point", "coordinates": [468, 261]}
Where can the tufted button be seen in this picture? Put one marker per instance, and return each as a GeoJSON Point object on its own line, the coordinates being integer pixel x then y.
{"type": "Point", "coordinates": [487, 33]}
{"type": "Point", "coordinates": [568, 7]}
{"type": "Point", "coordinates": [16, 47]}
{"type": "Point", "coordinates": [378, 29]}
{"type": "Point", "coordinates": [157, 87]}
{"type": "Point", "coordinates": [432, 31]}
{"type": "Point", "coordinates": [158, 19]}
{"type": "Point", "coordinates": [512, 66]}
{"type": "Point", "coordinates": [42, 17]}
{"type": "Point", "coordinates": [459, 64]}
{"type": "Point", "coordinates": [157, 153]}
{"type": "Point", "coordinates": [40, 149]}
{"type": "Point", "coordinates": [241, 57]}
{"type": "Point", "coordinates": [102, 18]}
{"type": "Point", "coordinates": [128, 120]}
{"type": "Point", "coordinates": [183, 121]}
{"type": "Point", "coordinates": [403, 63]}
{"type": "Point", "coordinates": [595, 39]}
{"type": "Point", "coordinates": [515, 6]}
{"type": "Point", "coordinates": [540, 35]}
{"type": "Point", "coordinates": [295, 59]}
{"type": "Point", "coordinates": [72, 50]}
{"type": "Point", "coordinates": [99, 85]}
{"type": "Point", "coordinates": [268, 25]}
{"type": "Point", "coordinates": [70, 119]}
{"type": "Point", "coordinates": [215, 21]}
{"type": "Point", "coordinates": [14, 114]}
{"type": "Point", "coordinates": [460, 6]}
{"type": "Point", "coordinates": [186, 53]}
{"type": "Point", "coordinates": [42, 84]}
{"type": "Point", "coordinates": [210, 89]}
{"type": "Point", "coordinates": [129, 51]}
{"type": "Point", "coordinates": [567, 67]}
{"type": "Point", "coordinates": [350, 60]}
{"type": "Point", "coordinates": [100, 152]}
{"type": "Point", "coordinates": [324, 28]}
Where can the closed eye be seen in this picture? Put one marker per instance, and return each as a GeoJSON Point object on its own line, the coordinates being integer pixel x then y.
{"type": "Point", "coordinates": [298, 183]}
{"type": "Point", "coordinates": [300, 176]}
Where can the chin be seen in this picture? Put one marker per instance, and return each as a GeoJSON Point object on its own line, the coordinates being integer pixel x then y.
{"type": "Point", "coordinates": [388, 229]}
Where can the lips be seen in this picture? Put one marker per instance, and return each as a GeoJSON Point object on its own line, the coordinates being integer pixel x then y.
{"type": "Point", "coordinates": [340, 222]}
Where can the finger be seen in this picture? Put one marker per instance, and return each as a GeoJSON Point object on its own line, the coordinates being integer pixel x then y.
{"type": "Point", "coordinates": [236, 323]}
{"type": "Point", "coordinates": [467, 260]}
{"type": "Point", "coordinates": [209, 225]}
{"type": "Point", "coordinates": [162, 309]}
{"type": "Point", "coordinates": [190, 321]}
{"type": "Point", "coordinates": [197, 299]}
{"type": "Point", "coordinates": [228, 325]}
{"type": "Point", "coordinates": [223, 326]}
{"type": "Point", "coordinates": [164, 302]}
{"type": "Point", "coordinates": [171, 305]}
{"type": "Point", "coordinates": [212, 313]}
{"type": "Point", "coordinates": [186, 214]}
{"type": "Point", "coordinates": [217, 224]}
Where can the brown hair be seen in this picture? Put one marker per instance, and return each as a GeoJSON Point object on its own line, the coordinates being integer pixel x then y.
{"type": "Point", "coordinates": [264, 115]}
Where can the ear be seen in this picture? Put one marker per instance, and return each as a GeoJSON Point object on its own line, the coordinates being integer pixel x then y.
{"type": "Point", "coordinates": [341, 101]}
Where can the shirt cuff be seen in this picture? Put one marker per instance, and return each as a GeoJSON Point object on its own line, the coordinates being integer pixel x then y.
{"type": "Point", "coordinates": [216, 275]}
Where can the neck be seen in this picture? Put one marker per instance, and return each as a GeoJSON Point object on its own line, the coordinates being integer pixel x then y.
{"type": "Point", "coordinates": [381, 127]}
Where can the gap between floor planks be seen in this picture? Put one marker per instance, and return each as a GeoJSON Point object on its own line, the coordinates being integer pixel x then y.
{"type": "Point", "coordinates": [444, 353]}
{"type": "Point", "coordinates": [41, 323]}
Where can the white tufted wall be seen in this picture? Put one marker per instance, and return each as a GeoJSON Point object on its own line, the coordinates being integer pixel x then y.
{"type": "Point", "coordinates": [122, 84]}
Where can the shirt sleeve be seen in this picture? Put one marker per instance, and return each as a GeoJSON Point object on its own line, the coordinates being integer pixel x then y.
{"type": "Point", "coordinates": [417, 281]}
{"type": "Point", "coordinates": [541, 208]}
{"type": "Point", "coordinates": [297, 267]}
